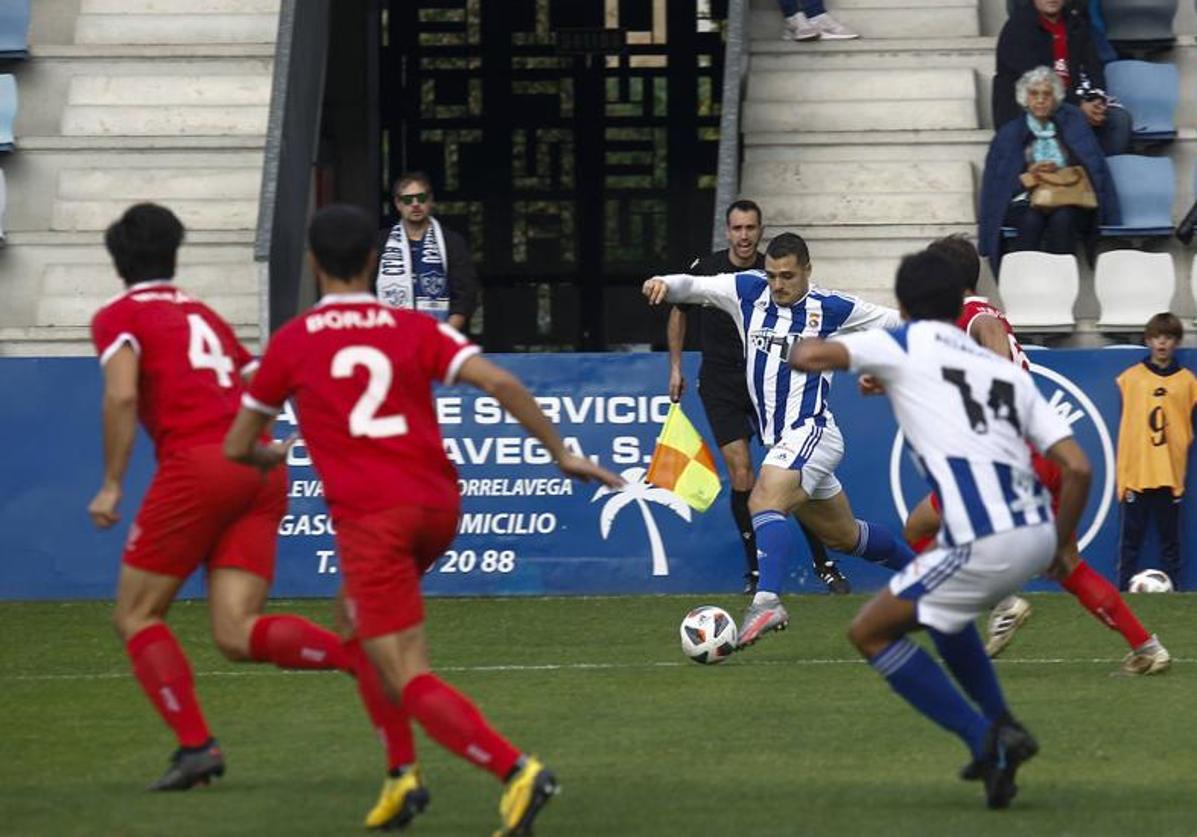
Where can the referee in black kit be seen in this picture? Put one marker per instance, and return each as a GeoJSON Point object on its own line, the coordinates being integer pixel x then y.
{"type": "Point", "coordinates": [723, 388]}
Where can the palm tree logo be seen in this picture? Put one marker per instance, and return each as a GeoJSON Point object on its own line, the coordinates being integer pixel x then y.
{"type": "Point", "coordinates": [641, 493]}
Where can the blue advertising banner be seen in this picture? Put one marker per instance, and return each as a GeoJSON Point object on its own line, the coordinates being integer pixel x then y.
{"type": "Point", "coordinates": [524, 529]}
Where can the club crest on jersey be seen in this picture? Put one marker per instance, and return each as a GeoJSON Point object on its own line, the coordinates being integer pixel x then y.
{"type": "Point", "coordinates": [813, 320]}
{"type": "Point", "coordinates": [766, 340]}
{"type": "Point", "coordinates": [1088, 427]}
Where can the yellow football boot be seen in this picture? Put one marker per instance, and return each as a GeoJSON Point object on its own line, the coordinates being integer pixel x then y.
{"type": "Point", "coordinates": [401, 799]}
{"type": "Point", "coordinates": [526, 793]}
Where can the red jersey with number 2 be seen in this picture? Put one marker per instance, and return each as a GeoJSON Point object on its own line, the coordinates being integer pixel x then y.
{"type": "Point", "coordinates": [978, 306]}
{"type": "Point", "coordinates": [361, 375]}
{"type": "Point", "coordinates": [189, 363]}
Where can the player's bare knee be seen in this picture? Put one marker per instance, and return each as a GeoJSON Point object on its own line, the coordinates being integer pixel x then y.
{"type": "Point", "coordinates": [742, 478]}
{"type": "Point", "coordinates": [231, 636]}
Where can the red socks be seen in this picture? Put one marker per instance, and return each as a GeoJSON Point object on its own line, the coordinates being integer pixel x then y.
{"type": "Point", "coordinates": [166, 679]}
{"type": "Point", "coordinates": [456, 724]}
{"type": "Point", "coordinates": [390, 721]}
{"type": "Point", "coordinates": [293, 642]}
{"type": "Point", "coordinates": [1102, 599]}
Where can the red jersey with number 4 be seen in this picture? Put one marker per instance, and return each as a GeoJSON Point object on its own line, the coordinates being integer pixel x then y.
{"type": "Point", "coordinates": [361, 375]}
{"type": "Point", "coordinates": [189, 363]}
{"type": "Point", "coordinates": [979, 306]}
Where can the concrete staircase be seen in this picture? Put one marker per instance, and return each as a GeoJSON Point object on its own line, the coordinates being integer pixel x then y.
{"type": "Point", "coordinates": [125, 101]}
{"type": "Point", "coordinates": [870, 148]}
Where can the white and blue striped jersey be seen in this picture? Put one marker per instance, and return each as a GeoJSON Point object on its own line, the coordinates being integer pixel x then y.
{"type": "Point", "coordinates": [967, 414]}
{"type": "Point", "coordinates": [783, 397]}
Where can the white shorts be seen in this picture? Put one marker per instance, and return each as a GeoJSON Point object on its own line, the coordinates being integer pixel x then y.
{"type": "Point", "coordinates": [815, 452]}
{"type": "Point", "coordinates": [951, 586]}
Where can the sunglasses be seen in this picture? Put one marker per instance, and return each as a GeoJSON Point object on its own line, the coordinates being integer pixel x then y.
{"type": "Point", "coordinates": [418, 197]}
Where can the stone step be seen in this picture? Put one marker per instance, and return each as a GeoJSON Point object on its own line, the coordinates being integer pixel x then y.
{"type": "Point", "coordinates": [46, 178]}
{"type": "Point", "coordinates": [865, 46]}
{"type": "Point", "coordinates": [78, 311]}
{"type": "Point", "coordinates": [179, 7]}
{"type": "Point", "coordinates": [72, 275]}
{"type": "Point", "coordinates": [806, 194]}
{"type": "Point", "coordinates": [78, 279]}
{"type": "Point", "coordinates": [163, 90]}
{"type": "Point", "coordinates": [207, 198]}
{"type": "Point", "coordinates": [208, 28]}
{"type": "Point", "coordinates": [880, 21]}
{"type": "Point", "coordinates": [861, 85]}
{"type": "Point", "coordinates": [48, 84]}
{"type": "Point", "coordinates": [909, 114]}
{"type": "Point", "coordinates": [794, 177]}
{"type": "Point", "coordinates": [164, 121]}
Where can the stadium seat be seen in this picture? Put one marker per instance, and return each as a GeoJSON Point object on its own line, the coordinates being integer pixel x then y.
{"type": "Point", "coordinates": [3, 204]}
{"type": "Point", "coordinates": [8, 110]}
{"type": "Point", "coordinates": [1146, 186]}
{"type": "Point", "coordinates": [1150, 92]}
{"type": "Point", "coordinates": [1132, 286]}
{"type": "Point", "coordinates": [14, 28]}
{"type": "Point", "coordinates": [1039, 289]}
{"type": "Point", "coordinates": [1136, 26]}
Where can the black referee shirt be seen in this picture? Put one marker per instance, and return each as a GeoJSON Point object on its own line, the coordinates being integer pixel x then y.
{"type": "Point", "coordinates": [717, 336]}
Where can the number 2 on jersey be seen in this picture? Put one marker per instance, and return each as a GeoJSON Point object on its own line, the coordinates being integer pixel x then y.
{"type": "Point", "coordinates": [364, 419]}
{"type": "Point", "coordinates": [205, 352]}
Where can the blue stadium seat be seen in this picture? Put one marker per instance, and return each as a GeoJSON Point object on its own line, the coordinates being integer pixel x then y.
{"type": "Point", "coordinates": [8, 110]}
{"type": "Point", "coordinates": [1146, 187]}
{"type": "Point", "coordinates": [1135, 26]}
{"type": "Point", "coordinates": [1150, 92]}
{"type": "Point", "coordinates": [14, 28]}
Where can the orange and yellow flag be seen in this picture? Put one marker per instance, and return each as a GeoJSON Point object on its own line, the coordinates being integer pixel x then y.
{"type": "Point", "coordinates": [682, 462]}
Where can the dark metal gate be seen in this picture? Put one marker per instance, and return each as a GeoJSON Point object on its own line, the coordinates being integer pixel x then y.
{"type": "Point", "coordinates": [572, 141]}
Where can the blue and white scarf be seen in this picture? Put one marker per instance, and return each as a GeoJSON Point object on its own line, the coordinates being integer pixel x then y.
{"type": "Point", "coordinates": [1046, 148]}
{"type": "Point", "coordinates": [396, 273]}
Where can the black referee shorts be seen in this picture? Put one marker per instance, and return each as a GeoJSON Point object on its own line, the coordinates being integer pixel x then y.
{"type": "Point", "coordinates": [724, 395]}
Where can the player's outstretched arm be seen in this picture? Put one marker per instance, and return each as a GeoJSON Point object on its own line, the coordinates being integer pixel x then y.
{"type": "Point", "coordinates": [515, 399]}
{"type": "Point", "coordinates": [119, 422]}
{"type": "Point", "coordinates": [987, 331]}
{"type": "Point", "coordinates": [1076, 474]}
{"type": "Point", "coordinates": [675, 335]}
{"type": "Point", "coordinates": [817, 355]}
{"type": "Point", "coordinates": [241, 442]}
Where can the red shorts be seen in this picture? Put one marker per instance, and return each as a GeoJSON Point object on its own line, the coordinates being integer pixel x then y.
{"type": "Point", "coordinates": [203, 509]}
{"type": "Point", "coordinates": [383, 555]}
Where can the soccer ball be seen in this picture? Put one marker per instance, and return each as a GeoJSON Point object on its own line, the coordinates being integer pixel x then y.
{"type": "Point", "coordinates": [708, 634]}
{"type": "Point", "coordinates": [1151, 581]}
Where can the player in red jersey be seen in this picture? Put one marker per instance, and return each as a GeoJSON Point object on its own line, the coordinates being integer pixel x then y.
{"type": "Point", "coordinates": [170, 360]}
{"type": "Point", "coordinates": [361, 376]}
{"type": "Point", "coordinates": [988, 325]}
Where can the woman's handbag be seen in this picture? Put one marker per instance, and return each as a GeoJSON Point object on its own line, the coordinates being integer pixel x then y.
{"type": "Point", "coordinates": [1068, 186]}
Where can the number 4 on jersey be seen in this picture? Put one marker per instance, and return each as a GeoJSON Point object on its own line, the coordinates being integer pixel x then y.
{"type": "Point", "coordinates": [205, 352]}
{"type": "Point", "coordinates": [1001, 401]}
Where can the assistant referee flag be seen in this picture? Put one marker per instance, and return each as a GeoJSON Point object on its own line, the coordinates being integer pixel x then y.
{"type": "Point", "coordinates": [682, 462]}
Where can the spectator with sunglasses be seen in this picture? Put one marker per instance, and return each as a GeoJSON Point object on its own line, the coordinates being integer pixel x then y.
{"type": "Point", "coordinates": [422, 265]}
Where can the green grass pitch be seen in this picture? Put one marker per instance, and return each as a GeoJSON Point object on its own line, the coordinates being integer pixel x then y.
{"type": "Point", "coordinates": [793, 737]}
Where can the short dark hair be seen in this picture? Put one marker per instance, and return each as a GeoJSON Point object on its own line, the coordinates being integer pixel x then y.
{"type": "Point", "coordinates": [789, 244]}
{"type": "Point", "coordinates": [743, 205]}
{"type": "Point", "coordinates": [342, 239]}
{"type": "Point", "coordinates": [960, 250]}
{"type": "Point", "coordinates": [144, 243]}
{"type": "Point", "coordinates": [928, 286]}
{"type": "Point", "coordinates": [1166, 324]}
{"type": "Point", "coordinates": [411, 177]}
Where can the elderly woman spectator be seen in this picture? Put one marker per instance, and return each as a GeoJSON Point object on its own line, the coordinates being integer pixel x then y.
{"type": "Point", "coordinates": [1050, 135]}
